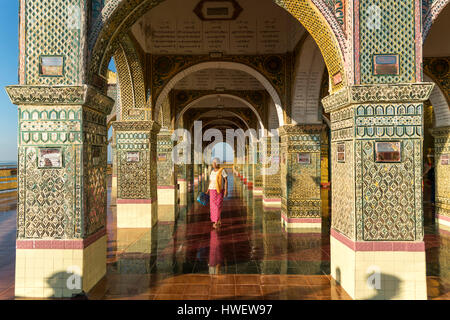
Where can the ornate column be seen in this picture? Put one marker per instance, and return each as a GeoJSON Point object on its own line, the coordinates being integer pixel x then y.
{"type": "Point", "coordinates": [182, 183]}
{"type": "Point", "coordinates": [167, 184]}
{"type": "Point", "coordinates": [114, 174]}
{"type": "Point", "coordinates": [249, 167]}
{"type": "Point", "coordinates": [300, 177]}
{"type": "Point", "coordinates": [442, 173]}
{"type": "Point", "coordinates": [62, 189]}
{"type": "Point", "coordinates": [136, 145]}
{"type": "Point", "coordinates": [257, 170]}
{"type": "Point", "coordinates": [271, 180]}
{"type": "Point", "coordinates": [377, 217]}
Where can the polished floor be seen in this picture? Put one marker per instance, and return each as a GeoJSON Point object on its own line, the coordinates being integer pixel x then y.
{"type": "Point", "coordinates": [249, 257]}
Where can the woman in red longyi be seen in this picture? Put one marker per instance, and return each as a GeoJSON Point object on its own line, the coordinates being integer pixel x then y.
{"type": "Point", "coordinates": [217, 190]}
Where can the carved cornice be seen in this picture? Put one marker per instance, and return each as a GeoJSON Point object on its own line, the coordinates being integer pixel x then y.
{"type": "Point", "coordinates": [149, 126]}
{"type": "Point", "coordinates": [441, 132]}
{"type": "Point", "coordinates": [291, 129]}
{"type": "Point", "coordinates": [60, 95]}
{"type": "Point", "coordinates": [379, 93]}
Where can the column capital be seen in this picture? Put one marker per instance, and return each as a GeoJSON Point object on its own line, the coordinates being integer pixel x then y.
{"type": "Point", "coordinates": [150, 126]}
{"type": "Point", "coordinates": [42, 95]}
{"type": "Point", "coordinates": [376, 93]}
{"type": "Point", "coordinates": [289, 129]}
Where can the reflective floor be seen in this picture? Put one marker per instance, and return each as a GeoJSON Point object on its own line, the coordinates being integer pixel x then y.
{"type": "Point", "coordinates": [249, 257]}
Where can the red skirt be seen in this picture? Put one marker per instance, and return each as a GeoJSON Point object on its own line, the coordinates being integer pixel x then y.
{"type": "Point", "coordinates": [215, 202]}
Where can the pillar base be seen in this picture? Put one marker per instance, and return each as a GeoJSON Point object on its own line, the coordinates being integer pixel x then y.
{"type": "Point", "coordinates": [183, 192]}
{"type": "Point", "coordinates": [258, 191]}
{"type": "Point", "coordinates": [301, 225]}
{"type": "Point", "coordinates": [167, 213]}
{"type": "Point", "coordinates": [136, 213]}
{"type": "Point", "coordinates": [167, 195]}
{"type": "Point", "coordinates": [401, 267]}
{"type": "Point", "coordinates": [272, 203]}
{"type": "Point", "coordinates": [113, 190]}
{"type": "Point", "coordinates": [44, 268]}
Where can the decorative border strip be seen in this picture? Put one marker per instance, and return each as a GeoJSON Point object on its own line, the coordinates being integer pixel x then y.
{"type": "Point", "coordinates": [166, 187]}
{"type": "Point", "coordinates": [60, 95]}
{"type": "Point", "coordinates": [134, 201]}
{"type": "Point", "coordinates": [369, 246]}
{"type": "Point", "coordinates": [60, 244]}
{"type": "Point", "coordinates": [272, 200]}
{"type": "Point", "coordinates": [389, 93]}
{"type": "Point", "coordinates": [301, 220]}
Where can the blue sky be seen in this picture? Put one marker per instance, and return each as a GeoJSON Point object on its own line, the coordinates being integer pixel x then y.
{"type": "Point", "coordinates": [9, 26]}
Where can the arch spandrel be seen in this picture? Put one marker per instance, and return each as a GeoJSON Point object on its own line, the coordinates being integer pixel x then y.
{"type": "Point", "coordinates": [119, 15]}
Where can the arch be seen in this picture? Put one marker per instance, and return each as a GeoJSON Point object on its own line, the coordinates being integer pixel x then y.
{"type": "Point", "coordinates": [130, 78]}
{"type": "Point", "coordinates": [309, 65]}
{"type": "Point", "coordinates": [440, 104]}
{"type": "Point", "coordinates": [224, 123]}
{"type": "Point", "coordinates": [243, 101]}
{"type": "Point", "coordinates": [119, 15]}
{"type": "Point", "coordinates": [433, 13]}
{"type": "Point", "coordinates": [234, 114]}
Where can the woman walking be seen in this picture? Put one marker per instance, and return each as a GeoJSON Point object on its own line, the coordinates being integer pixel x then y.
{"type": "Point", "coordinates": [218, 189]}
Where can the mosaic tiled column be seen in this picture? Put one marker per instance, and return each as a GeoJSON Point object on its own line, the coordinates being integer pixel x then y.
{"type": "Point", "coordinates": [271, 180]}
{"type": "Point", "coordinates": [62, 191]}
{"type": "Point", "coordinates": [167, 185]}
{"type": "Point", "coordinates": [300, 177]}
{"type": "Point", "coordinates": [257, 171]}
{"type": "Point", "coordinates": [442, 173]}
{"type": "Point", "coordinates": [377, 217]}
{"type": "Point", "coordinates": [114, 175]}
{"type": "Point", "coordinates": [182, 183]}
{"type": "Point", "coordinates": [249, 168]}
{"type": "Point", "coordinates": [136, 145]}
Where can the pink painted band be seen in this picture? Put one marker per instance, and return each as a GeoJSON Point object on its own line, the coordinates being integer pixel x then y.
{"type": "Point", "coordinates": [441, 217]}
{"type": "Point", "coordinates": [60, 244]}
{"type": "Point", "coordinates": [181, 180]}
{"type": "Point", "coordinates": [272, 200]}
{"type": "Point", "coordinates": [315, 235]}
{"type": "Point", "coordinates": [301, 220]}
{"type": "Point", "coordinates": [134, 201]}
{"type": "Point", "coordinates": [166, 187]}
{"type": "Point", "coordinates": [406, 246]}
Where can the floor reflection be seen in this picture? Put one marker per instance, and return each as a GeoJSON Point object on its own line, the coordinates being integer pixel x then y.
{"type": "Point", "coordinates": [249, 257]}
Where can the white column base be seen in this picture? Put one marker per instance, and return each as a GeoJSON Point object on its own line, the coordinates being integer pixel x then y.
{"type": "Point", "coordinates": [401, 267]}
{"type": "Point", "coordinates": [136, 213]}
{"type": "Point", "coordinates": [59, 268]}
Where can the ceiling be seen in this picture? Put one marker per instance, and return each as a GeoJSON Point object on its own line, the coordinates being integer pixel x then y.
{"type": "Point", "coordinates": [261, 27]}
{"type": "Point", "coordinates": [437, 44]}
{"type": "Point", "coordinates": [212, 79]}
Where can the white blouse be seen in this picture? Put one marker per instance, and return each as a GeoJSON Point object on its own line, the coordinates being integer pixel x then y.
{"type": "Point", "coordinates": [213, 177]}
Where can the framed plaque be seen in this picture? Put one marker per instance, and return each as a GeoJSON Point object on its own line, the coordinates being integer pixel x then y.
{"type": "Point", "coordinates": [388, 151]}
{"type": "Point", "coordinates": [50, 158]}
{"type": "Point", "coordinates": [340, 155]}
{"type": "Point", "coordinates": [304, 158]}
{"type": "Point", "coordinates": [133, 156]}
{"type": "Point", "coordinates": [52, 66]}
{"type": "Point", "coordinates": [445, 159]}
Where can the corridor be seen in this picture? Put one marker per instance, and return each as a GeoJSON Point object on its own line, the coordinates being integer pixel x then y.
{"type": "Point", "coordinates": [249, 257]}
